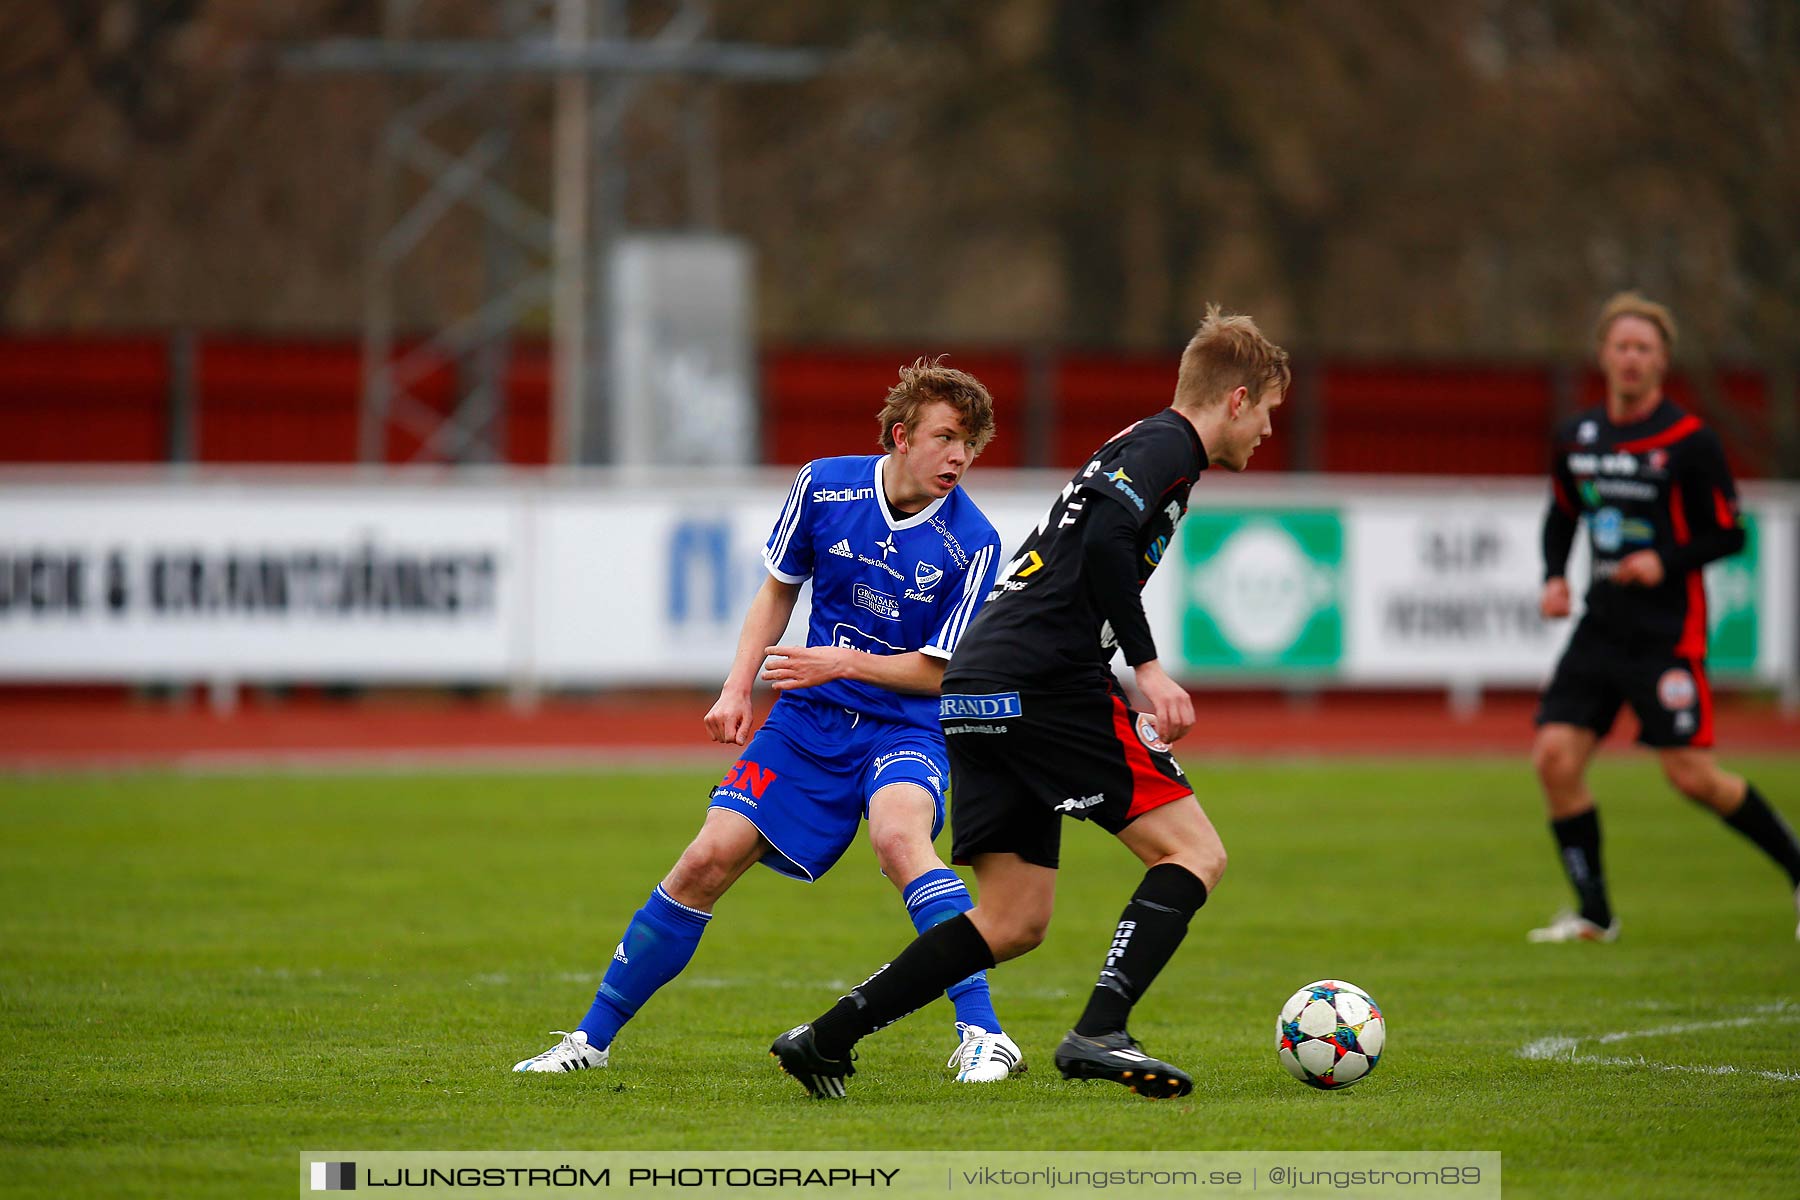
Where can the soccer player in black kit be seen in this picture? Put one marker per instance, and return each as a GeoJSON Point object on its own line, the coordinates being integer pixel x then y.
{"type": "Point", "coordinates": [1659, 502]}
{"type": "Point", "coordinates": [1038, 728]}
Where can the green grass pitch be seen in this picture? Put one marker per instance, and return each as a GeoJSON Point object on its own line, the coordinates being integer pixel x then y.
{"type": "Point", "coordinates": [201, 976]}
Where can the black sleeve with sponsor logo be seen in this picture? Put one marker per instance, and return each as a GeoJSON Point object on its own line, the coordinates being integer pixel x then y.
{"type": "Point", "coordinates": [1708, 506]}
{"type": "Point", "coordinates": [1137, 470]}
{"type": "Point", "coordinates": [1109, 555]}
{"type": "Point", "coordinates": [1561, 519]}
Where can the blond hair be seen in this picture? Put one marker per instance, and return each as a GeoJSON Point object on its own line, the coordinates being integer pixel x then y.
{"type": "Point", "coordinates": [1228, 352]}
{"type": "Point", "coordinates": [1636, 304]}
{"type": "Point", "coordinates": [928, 381]}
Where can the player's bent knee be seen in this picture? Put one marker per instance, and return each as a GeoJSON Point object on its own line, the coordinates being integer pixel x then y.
{"type": "Point", "coordinates": [708, 867]}
{"type": "Point", "coordinates": [1556, 762]}
{"type": "Point", "coordinates": [898, 848]}
{"type": "Point", "coordinates": [697, 882]}
{"type": "Point", "coordinates": [1206, 863]}
{"type": "Point", "coordinates": [1696, 783]}
{"type": "Point", "coordinates": [1201, 853]}
{"type": "Point", "coordinates": [1213, 870]}
{"type": "Point", "coordinates": [1012, 934]}
{"type": "Point", "coordinates": [1020, 939]}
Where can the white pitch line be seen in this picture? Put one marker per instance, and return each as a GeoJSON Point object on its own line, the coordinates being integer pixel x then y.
{"type": "Point", "coordinates": [1596, 1060]}
{"type": "Point", "coordinates": [1562, 1049]}
{"type": "Point", "coordinates": [1776, 1013]}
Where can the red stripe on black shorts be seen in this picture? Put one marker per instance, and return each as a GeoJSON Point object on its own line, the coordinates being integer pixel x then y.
{"type": "Point", "coordinates": [1155, 779]}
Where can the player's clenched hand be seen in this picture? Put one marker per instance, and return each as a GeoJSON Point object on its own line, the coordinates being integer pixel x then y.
{"type": "Point", "coordinates": [1555, 600]}
{"type": "Point", "coordinates": [729, 719]}
{"type": "Point", "coordinates": [1170, 701]}
{"type": "Point", "coordinates": [1643, 568]}
{"type": "Point", "coordinates": [792, 667]}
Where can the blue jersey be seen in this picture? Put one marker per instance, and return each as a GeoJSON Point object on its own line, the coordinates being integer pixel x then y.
{"type": "Point", "coordinates": [881, 585]}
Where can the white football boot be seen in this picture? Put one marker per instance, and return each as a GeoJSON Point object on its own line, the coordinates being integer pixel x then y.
{"type": "Point", "coordinates": [984, 1057]}
{"type": "Point", "coordinates": [1569, 926]}
{"type": "Point", "coordinates": [571, 1054]}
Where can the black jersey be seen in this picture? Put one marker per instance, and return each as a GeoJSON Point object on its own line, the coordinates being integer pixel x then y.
{"type": "Point", "coordinates": [1657, 484]}
{"type": "Point", "coordinates": [1044, 626]}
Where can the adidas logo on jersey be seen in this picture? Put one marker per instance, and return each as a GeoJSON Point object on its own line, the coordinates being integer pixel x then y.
{"type": "Point", "coordinates": [842, 549]}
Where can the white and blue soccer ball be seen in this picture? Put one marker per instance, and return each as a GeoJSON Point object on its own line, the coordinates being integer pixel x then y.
{"type": "Point", "coordinates": [1330, 1034]}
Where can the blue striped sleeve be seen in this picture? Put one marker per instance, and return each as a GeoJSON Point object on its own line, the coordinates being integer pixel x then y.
{"type": "Point", "coordinates": [977, 582]}
{"type": "Point", "coordinates": [788, 553]}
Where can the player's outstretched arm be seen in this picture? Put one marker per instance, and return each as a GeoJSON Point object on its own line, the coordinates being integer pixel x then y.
{"type": "Point", "coordinates": [729, 718]}
{"type": "Point", "coordinates": [793, 667]}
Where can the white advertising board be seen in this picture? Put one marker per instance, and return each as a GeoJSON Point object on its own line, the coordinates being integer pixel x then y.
{"type": "Point", "coordinates": [607, 579]}
{"type": "Point", "coordinates": [653, 587]}
{"type": "Point", "coordinates": [1421, 584]}
{"type": "Point", "coordinates": [1448, 589]}
{"type": "Point", "coordinates": [257, 582]}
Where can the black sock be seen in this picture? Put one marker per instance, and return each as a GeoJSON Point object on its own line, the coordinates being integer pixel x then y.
{"type": "Point", "coordinates": [1579, 839]}
{"type": "Point", "coordinates": [939, 957]}
{"type": "Point", "coordinates": [1764, 826]}
{"type": "Point", "coordinates": [1152, 925]}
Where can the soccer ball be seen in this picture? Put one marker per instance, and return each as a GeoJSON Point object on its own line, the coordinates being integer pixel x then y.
{"type": "Point", "coordinates": [1330, 1034]}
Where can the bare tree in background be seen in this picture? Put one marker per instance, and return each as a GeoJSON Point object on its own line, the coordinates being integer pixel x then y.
{"type": "Point", "coordinates": [1407, 178]}
{"type": "Point", "coordinates": [106, 70]}
{"type": "Point", "coordinates": [1713, 89]}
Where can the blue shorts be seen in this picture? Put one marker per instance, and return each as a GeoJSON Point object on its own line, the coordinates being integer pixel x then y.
{"type": "Point", "coordinates": [806, 777]}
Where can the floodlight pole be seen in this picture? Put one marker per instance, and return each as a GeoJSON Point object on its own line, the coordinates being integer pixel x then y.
{"type": "Point", "coordinates": [568, 324]}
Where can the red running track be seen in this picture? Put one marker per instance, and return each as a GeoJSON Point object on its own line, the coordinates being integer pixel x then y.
{"type": "Point", "coordinates": [87, 733]}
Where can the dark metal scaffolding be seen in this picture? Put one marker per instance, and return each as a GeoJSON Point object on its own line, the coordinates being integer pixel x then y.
{"type": "Point", "coordinates": [448, 149]}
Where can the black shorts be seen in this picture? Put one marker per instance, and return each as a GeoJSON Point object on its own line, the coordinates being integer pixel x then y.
{"type": "Point", "coordinates": [1020, 762]}
{"type": "Point", "coordinates": [1602, 670]}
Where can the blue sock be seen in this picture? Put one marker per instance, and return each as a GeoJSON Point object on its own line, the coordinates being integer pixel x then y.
{"type": "Point", "coordinates": [932, 899]}
{"type": "Point", "coordinates": [658, 943]}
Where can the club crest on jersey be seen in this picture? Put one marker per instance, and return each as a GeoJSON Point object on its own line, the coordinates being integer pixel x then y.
{"type": "Point", "coordinates": [1676, 689]}
{"type": "Point", "coordinates": [879, 603]}
{"type": "Point", "coordinates": [926, 575]}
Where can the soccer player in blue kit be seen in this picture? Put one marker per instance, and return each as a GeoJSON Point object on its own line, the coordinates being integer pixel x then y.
{"type": "Point", "coordinates": [900, 560]}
